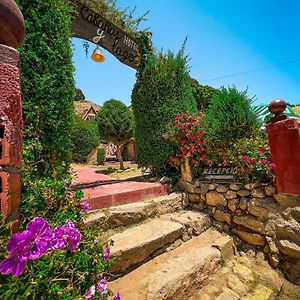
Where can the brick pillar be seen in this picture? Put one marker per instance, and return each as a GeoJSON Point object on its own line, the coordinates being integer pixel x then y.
{"type": "Point", "coordinates": [11, 34]}
{"type": "Point", "coordinates": [284, 140]}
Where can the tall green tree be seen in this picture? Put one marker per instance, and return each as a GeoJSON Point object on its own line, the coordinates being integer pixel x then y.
{"type": "Point", "coordinates": [162, 90]}
{"type": "Point", "coordinates": [116, 124]}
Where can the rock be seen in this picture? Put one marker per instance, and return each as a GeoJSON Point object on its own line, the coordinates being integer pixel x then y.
{"type": "Point", "coordinates": [226, 245]}
{"type": "Point", "coordinates": [243, 193]}
{"type": "Point", "coordinates": [194, 198]}
{"type": "Point", "coordinates": [251, 186]}
{"type": "Point", "coordinates": [181, 276]}
{"type": "Point", "coordinates": [250, 222]}
{"type": "Point", "coordinates": [205, 297]}
{"type": "Point", "coordinates": [186, 236]}
{"type": "Point", "coordinates": [259, 212]}
{"type": "Point", "coordinates": [203, 189]}
{"type": "Point", "coordinates": [258, 193]}
{"type": "Point", "coordinates": [228, 294]}
{"type": "Point", "coordinates": [222, 188]}
{"type": "Point", "coordinates": [244, 203]}
{"type": "Point", "coordinates": [197, 183]}
{"type": "Point", "coordinates": [185, 186]}
{"type": "Point", "coordinates": [292, 271]}
{"type": "Point", "coordinates": [167, 204]}
{"type": "Point", "coordinates": [270, 190]}
{"type": "Point", "coordinates": [272, 245]}
{"type": "Point", "coordinates": [261, 292]}
{"type": "Point", "coordinates": [98, 218]}
{"type": "Point", "coordinates": [289, 248]}
{"type": "Point", "coordinates": [287, 200]}
{"type": "Point", "coordinates": [136, 244]}
{"type": "Point", "coordinates": [251, 238]}
{"type": "Point", "coordinates": [260, 256]}
{"type": "Point", "coordinates": [131, 213]}
{"type": "Point", "coordinates": [273, 259]}
{"type": "Point", "coordinates": [233, 204]}
{"type": "Point", "coordinates": [222, 216]}
{"type": "Point", "coordinates": [212, 186]}
{"type": "Point", "coordinates": [236, 285]}
{"type": "Point", "coordinates": [234, 187]}
{"type": "Point", "coordinates": [230, 195]}
{"type": "Point", "coordinates": [266, 249]}
{"type": "Point", "coordinates": [174, 245]}
{"type": "Point", "coordinates": [215, 199]}
{"type": "Point", "coordinates": [165, 180]}
{"type": "Point", "coordinates": [243, 272]}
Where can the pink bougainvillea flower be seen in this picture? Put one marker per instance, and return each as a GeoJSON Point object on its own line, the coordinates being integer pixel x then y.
{"type": "Point", "coordinates": [101, 286]}
{"type": "Point", "coordinates": [183, 142]}
{"type": "Point", "coordinates": [106, 254]}
{"type": "Point", "coordinates": [246, 159]}
{"type": "Point", "coordinates": [263, 161]}
{"type": "Point", "coordinates": [254, 160]}
{"type": "Point", "coordinates": [272, 166]}
{"type": "Point", "coordinates": [261, 151]}
{"type": "Point", "coordinates": [166, 136]}
{"type": "Point", "coordinates": [116, 297]}
{"type": "Point", "coordinates": [203, 157]}
{"type": "Point", "coordinates": [85, 206]}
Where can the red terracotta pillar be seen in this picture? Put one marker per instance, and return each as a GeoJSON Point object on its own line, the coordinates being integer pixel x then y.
{"type": "Point", "coordinates": [284, 140]}
{"type": "Point", "coordinates": [12, 31]}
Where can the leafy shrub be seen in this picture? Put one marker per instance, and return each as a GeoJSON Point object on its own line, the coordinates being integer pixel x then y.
{"type": "Point", "coordinates": [100, 156]}
{"type": "Point", "coordinates": [230, 117]}
{"type": "Point", "coordinates": [85, 137]}
{"type": "Point", "coordinates": [116, 124]}
{"type": "Point", "coordinates": [162, 90]}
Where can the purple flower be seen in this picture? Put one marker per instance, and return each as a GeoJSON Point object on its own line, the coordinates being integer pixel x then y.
{"type": "Point", "coordinates": [66, 234]}
{"type": "Point", "coordinates": [18, 248]}
{"type": "Point", "coordinates": [116, 297]}
{"type": "Point", "coordinates": [106, 254]}
{"type": "Point", "coordinates": [85, 206]}
{"type": "Point", "coordinates": [101, 286]}
{"type": "Point", "coordinates": [41, 237]}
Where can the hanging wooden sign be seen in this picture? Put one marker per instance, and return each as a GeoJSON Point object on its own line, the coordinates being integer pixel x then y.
{"type": "Point", "coordinates": [220, 174]}
{"type": "Point", "coordinates": [90, 25]}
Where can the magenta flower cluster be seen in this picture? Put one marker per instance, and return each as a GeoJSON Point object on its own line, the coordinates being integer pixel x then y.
{"type": "Point", "coordinates": [100, 287]}
{"type": "Point", "coordinates": [36, 240]}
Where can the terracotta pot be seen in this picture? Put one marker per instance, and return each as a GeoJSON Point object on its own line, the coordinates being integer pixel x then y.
{"type": "Point", "coordinates": [11, 24]}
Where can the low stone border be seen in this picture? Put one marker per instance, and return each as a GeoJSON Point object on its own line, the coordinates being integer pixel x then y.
{"type": "Point", "coordinates": [257, 215]}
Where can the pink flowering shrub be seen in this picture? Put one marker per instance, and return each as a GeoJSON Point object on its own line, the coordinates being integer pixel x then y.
{"type": "Point", "coordinates": [186, 132]}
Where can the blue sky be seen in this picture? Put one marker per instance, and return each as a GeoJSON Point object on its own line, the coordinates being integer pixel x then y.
{"type": "Point", "coordinates": [224, 37]}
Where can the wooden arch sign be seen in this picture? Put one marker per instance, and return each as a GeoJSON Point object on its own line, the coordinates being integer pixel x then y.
{"type": "Point", "coordinates": [90, 25]}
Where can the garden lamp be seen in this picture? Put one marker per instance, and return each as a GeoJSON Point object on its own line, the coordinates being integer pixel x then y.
{"type": "Point", "coordinates": [97, 55]}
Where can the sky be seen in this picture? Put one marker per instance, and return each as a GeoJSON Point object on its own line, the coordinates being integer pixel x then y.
{"type": "Point", "coordinates": [225, 37]}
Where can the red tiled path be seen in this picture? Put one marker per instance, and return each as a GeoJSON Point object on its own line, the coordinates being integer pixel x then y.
{"type": "Point", "coordinates": [116, 193]}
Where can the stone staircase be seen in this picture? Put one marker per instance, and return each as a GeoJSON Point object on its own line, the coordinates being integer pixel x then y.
{"type": "Point", "coordinates": [162, 252]}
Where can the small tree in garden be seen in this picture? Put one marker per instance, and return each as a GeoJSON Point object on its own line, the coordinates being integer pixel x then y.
{"type": "Point", "coordinates": [230, 117]}
{"type": "Point", "coordinates": [186, 132]}
{"type": "Point", "coordinates": [116, 124]}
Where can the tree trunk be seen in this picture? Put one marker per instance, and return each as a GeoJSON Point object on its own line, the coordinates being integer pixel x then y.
{"type": "Point", "coordinates": [186, 173]}
{"type": "Point", "coordinates": [119, 153]}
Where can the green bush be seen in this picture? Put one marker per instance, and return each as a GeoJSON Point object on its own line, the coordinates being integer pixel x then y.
{"type": "Point", "coordinates": [100, 156]}
{"type": "Point", "coordinates": [85, 137]}
{"type": "Point", "coordinates": [47, 86]}
{"type": "Point", "coordinates": [161, 91]}
{"type": "Point", "coordinates": [230, 117]}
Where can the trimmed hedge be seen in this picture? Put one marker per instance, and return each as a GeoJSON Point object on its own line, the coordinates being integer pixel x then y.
{"type": "Point", "coordinates": [161, 91]}
{"type": "Point", "coordinates": [85, 137]}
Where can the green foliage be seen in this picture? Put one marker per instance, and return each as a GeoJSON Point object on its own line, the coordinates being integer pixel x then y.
{"type": "Point", "coordinates": [47, 85]}
{"type": "Point", "coordinates": [202, 94]}
{"type": "Point", "coordinates": [230, 117]}
{"type": "Point", "coordinates": [162, 90]}
{"type": "Point", "coordinates": [115, 122]}
{"type": "Point", "coordinates": [100, 156]}
{"type": "Point", "coordinates": [85, 137]}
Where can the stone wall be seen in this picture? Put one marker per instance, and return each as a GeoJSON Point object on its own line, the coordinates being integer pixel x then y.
{"type": "Point", "coordinates": [257, 216]}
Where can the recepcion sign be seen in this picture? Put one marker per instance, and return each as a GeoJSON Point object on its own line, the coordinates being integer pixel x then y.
{"type": "Point", "coordinates": [219, 174]}
{"type": "Point", "coordinates": [91, 26]}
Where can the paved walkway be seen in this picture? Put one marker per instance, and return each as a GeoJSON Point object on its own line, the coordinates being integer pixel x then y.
{"type": "Point", "coordinates": [101, 195]}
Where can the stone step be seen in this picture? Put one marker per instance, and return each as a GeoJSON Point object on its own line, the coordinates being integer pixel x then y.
{"type": "Point", "coordinates": [175, 274]}
{"type": "Point", "coordinates": [132, 213]}
{"type": "Point", "coordinates": [124, 192]}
